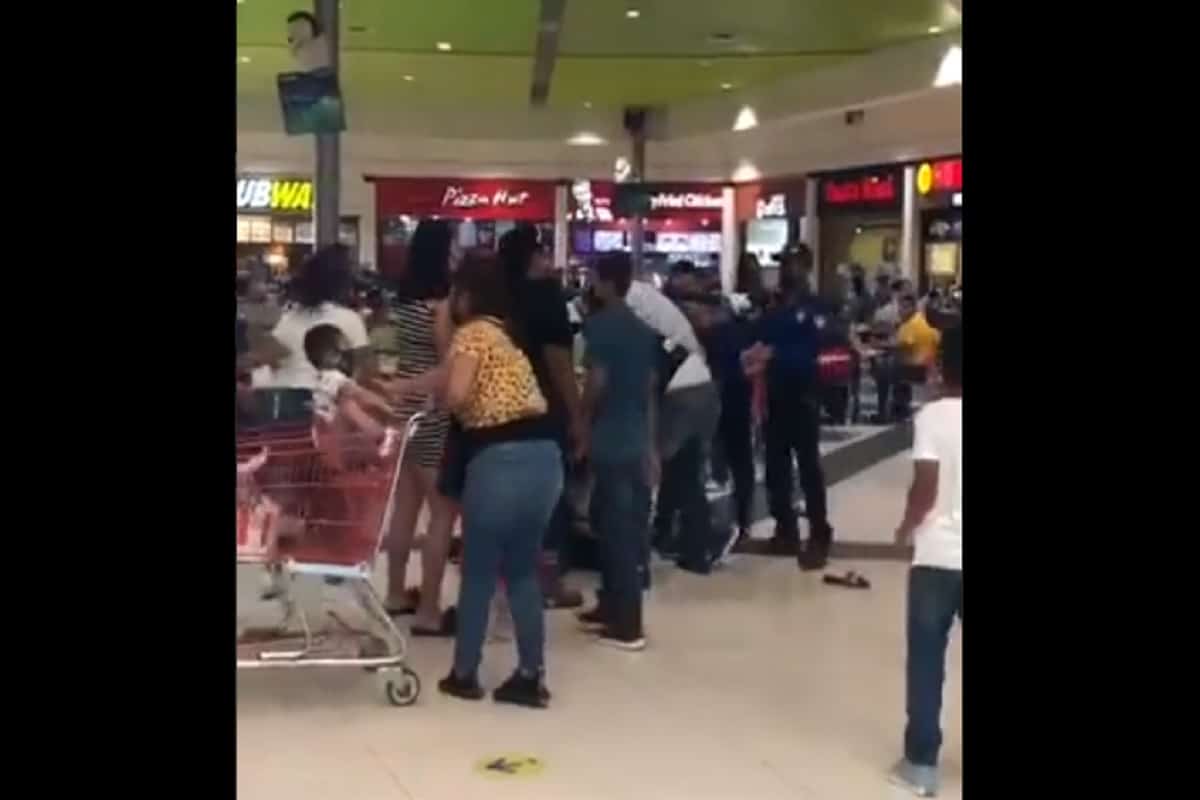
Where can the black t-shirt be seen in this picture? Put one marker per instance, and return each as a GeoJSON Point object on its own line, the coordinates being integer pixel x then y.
{"type": "Point", "coordinates": [540, 319]}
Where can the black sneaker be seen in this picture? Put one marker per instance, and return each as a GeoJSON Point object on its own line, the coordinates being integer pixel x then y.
{"type": "Point", "coordinates": [521, 690]}
{"type": "Point", "coordinates": [462, 688]}
{"type": "Point", "coordinates": [814, 556]}
{"type": "Point", "coordinates": [726, 545]}
{"type": "Point", "coordinates": [592, 620]}
{"type": "Point", "coordinates": [695, 567]}
{"type": "Point", "coordinates": [611, 638]}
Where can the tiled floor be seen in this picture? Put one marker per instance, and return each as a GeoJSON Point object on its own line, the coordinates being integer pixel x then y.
{"type": "Point", "coordinates": [758, 682]}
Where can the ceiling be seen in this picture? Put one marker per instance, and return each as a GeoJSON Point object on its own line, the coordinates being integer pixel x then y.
{"type": "Point", "coordinates": [675, 51]}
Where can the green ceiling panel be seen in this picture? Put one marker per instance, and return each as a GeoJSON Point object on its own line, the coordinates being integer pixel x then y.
{"type": "Point", "coordinates": [665, 56]}
{"type": "Point", "coordinates": [623, 81]}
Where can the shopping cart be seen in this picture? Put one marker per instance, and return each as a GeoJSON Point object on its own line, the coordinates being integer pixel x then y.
{"type": "Point", "coordinates": [304, 510]}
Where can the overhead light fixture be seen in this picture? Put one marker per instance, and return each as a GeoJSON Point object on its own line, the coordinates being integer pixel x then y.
{"type": "Point", "coordinates": [950, 70]}
{"type": "Point", "coordinates": [725, 87]}
{"type": "Point", "coordinates": [243, 59]}
{"type": "Point", "coordinates": [587, 139]}
{"type": "Point", "coordinates": [409, 78]}
{"type": "Point", "coordinates": [934, 30]}
{"type": "Point", "coordinates": [747, 118]}
{"type": "Point", "coordinates": [746, 171]}
{"type": "Point", "coordinates": [444, 47]}
{"type": "Point", "coordinates": [587, 103]}
{"type": "Point", "coordinates": [632, 13]}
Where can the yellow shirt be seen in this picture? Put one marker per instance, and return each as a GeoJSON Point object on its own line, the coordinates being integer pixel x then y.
{"type": "Point", "coordinates": [918, 341]}
{"type": "Point", "coordinates": [505, 387]}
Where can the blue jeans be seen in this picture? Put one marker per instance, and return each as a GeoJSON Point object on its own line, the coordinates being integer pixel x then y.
{"type": "Point", "coordinates": [510, 491]}
{"type": "Point", "coordinates": [620, 510]}
{"type": "Point", "coordinates": [934, 599]}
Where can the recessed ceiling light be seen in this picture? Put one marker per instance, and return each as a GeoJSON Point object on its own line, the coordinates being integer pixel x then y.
{"type": "Point", "coordinates": [243, 59]}
{"type": "Point", "coordinates": [444, 47]}
{"type": "Point", "coordinates": [587, 139]}
{"type": "Point", "coordinates": [935, 29]}
{"type": "Point", "coordinates": [409, 78]}
{"type": "Point", "coordinates": [726, 86]}
{"type": "Point", "coordinates": [950, 70]}
{"type": "Point", "coordinates": [587, 103]}
{"type": "Point", "coordinates": [632, 13]}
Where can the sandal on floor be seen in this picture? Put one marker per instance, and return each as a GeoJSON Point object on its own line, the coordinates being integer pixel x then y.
{"type": "Point", "coordinates": [851, 580]}
{"type": "Point", "coordinates": [412, 596]}
{"type": "Point", "coordinates": [447, 629]}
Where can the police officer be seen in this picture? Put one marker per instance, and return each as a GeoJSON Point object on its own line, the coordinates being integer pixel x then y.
{"type": "Point", "coordinates": [787, 345]}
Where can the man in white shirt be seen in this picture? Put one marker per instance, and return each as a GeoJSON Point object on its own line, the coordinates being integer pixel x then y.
{"type": "Point", "coordinates": [691, 407]}
{"type": "Point", "coordinates": [933, 523]}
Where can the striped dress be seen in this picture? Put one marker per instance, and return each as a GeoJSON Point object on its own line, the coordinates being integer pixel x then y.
{"type": "Point", "coordinates": [406, 347]}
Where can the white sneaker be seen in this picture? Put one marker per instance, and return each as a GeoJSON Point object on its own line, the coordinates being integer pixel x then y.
{"type": "Point", "coordinates": [920, 780]}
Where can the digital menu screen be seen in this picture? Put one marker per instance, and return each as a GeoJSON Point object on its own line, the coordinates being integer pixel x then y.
{"type": "Point", "coordinates": [608, 241]}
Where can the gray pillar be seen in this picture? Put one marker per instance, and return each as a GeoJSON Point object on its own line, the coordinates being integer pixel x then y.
{"type": "Point", "coordinates": [561, 224]}
{"type": "Point", "coordinates": [910, 226]}
{"type": "Point", "coordinates": [328, 183]}
{"type": "Point", "coordinates": [638, 164]}
{"type": "Point", "coordinates": [810, 228]}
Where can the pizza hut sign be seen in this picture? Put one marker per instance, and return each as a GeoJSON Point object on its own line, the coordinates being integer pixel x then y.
{"type": "Point", "coordinates": [458, 197]}
{"type": "Point", "coordinates": [485, 198]}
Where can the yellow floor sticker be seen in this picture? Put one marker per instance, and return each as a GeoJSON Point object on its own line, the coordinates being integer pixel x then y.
{"type": "Point", "coordinates": [510, 766]}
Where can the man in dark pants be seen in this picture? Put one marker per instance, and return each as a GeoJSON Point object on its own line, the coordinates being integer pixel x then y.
{"type": "Point", "coordinates": [787, 349]}
{"type": "Point", "coordinates": [619, 398]}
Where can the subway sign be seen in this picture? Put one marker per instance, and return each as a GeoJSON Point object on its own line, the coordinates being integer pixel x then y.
{"type": "Point", "coordinates": [274, 194]}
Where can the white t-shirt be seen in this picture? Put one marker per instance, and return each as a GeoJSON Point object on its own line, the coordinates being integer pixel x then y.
{"type": "Point", "coordinates": [325, 393]}
{"type": "Point", "coordinates": [937, 436]}
{"type": "Point", "coordinates": [664, 317]}
{"type": "Point", "coordinates": [296, 371]}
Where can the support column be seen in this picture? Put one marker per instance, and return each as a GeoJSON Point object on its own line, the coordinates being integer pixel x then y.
{"type": "Point", "coordinates": [637, 162]}
{"type": "Point", "coordinates": [561, 227]}
{"type": "Point", "coordinates": [328, 181]}
{"type": "Point", "coordinates": [810, 228]}
{"type": "Point", "coordinates": [910, 227]}
{"type": "Point", "coordinates": [730, 246]}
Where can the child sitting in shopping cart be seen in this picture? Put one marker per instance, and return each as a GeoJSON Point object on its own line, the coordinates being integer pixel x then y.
{"type": "Point", "coordinates": [341, 406]}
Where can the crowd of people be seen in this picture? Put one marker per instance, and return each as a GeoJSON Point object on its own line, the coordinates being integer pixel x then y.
{"type": "Point", "coordinates": [482, 343]}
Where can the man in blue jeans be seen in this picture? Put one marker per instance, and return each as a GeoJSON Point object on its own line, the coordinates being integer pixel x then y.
{"type": "Point", "coordinates": [619, 399]}
{"type": "Point", "coordinates": [933, 522]}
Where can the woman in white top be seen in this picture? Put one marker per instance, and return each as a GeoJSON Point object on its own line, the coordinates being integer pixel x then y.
{"type": "Point", "coordinates": [318, 295]}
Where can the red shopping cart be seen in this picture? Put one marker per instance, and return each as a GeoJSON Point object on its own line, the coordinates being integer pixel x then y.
{"type": "Point", "coordinates": [306, 509]}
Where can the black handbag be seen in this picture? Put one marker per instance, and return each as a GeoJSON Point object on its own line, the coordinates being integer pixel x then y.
{"type": "Point", "coordinates": [452, 473]}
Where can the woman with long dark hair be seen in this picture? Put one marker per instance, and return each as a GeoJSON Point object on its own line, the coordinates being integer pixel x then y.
{"type": "Point", "coordinates": [511, 479]}
{"type": "Point", "coordinates": [420, 330]}
{"type": "Point", "coordinates": [318, 294]}
{"type": "Point", "coordinates": [543, 331]}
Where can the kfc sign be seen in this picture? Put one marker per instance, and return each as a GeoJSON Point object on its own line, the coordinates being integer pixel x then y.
{"type": "Point", "coordinates": [530, 201]}
{"type": "Point", "coordinates": [690, 200]}
{"type": "Point", "coordinates": [875, 189]}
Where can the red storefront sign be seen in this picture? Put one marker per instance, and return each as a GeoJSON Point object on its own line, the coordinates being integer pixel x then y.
{"type": "Point", "coordinates": [490, 199]}
{"type": "Point", "coordinates": [940, 176]}
{"type": "Point", "coordinates": [594, 201]}
{"type": "Point", "coordinates": [874, 189]}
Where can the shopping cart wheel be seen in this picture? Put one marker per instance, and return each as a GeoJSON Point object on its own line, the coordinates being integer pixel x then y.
{"type": "Point", "coordinates": [404, 689]}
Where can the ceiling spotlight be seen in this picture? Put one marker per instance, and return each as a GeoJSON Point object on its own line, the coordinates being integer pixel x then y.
{"type": "Point", "coordinates": [632, 13]}
{"type": "Point", "coordinates": [747, 118]}
{"type": "Point", "coordinates": [409, 78]}
{"type": "Point", "coordinates": [725, 87]}
{"type": "Point", "coordinates": [243, 59]}
{"type": "Point", "coordinates": [587, 103]}
{"type": "Point", "coordinates": [950, 70]}
{"type": "Point", "coordinates": [935, 29]}
{"type": "Point", "coordinates": [444, 47]}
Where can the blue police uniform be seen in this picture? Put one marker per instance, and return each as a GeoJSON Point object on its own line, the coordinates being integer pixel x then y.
{"type": "Point", "coordinates": [794, 331]}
